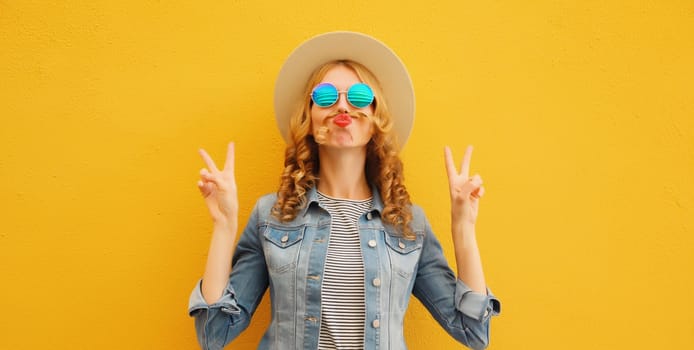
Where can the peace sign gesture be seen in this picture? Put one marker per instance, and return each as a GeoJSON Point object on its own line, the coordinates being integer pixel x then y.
{"type": "Point", "coordinates": [466, 191]}
{"type": "Point", "coordinates": [218, 187]}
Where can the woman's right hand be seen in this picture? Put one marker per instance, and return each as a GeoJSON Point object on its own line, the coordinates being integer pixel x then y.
{"type": "Point", "coordinates": [218, 187]}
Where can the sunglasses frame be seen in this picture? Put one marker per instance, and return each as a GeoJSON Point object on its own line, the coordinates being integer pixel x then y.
{"type": "Point", "coordinates": [339, 92]}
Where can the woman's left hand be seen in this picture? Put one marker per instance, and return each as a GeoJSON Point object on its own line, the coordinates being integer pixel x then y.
{"type": "Point", "coordinates": [466, 191]}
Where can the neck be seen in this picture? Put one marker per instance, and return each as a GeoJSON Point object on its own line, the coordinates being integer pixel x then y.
{"type": "Point", "coordinates": [342, 173]}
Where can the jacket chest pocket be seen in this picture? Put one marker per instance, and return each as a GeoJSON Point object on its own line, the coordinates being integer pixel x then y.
{"type": "Point", "coordinates": [403, 254]}
{"type": "Point", "coordinates": [282, 246]}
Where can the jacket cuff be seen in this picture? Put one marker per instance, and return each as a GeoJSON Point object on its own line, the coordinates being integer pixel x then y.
{"type": "Point", "coordinates": [476, 305]}
{"type": "Point", "coordinates": [226, 303]}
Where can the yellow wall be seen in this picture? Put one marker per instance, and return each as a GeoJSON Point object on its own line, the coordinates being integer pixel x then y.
{"type": "Point", "coordinates": [581, 113]}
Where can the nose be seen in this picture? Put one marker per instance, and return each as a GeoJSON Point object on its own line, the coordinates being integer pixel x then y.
{"type": "Point", "coordinates": [342, 103]}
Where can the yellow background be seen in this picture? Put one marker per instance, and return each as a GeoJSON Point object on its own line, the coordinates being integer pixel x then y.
{"type": "Point", "coordinates": [581, 114]}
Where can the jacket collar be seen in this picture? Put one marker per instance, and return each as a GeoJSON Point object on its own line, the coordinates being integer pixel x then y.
{"type": "Point", "coordinates": [312, 197]}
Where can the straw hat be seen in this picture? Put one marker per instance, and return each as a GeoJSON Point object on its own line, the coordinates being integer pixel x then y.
{"type": "Point", "coordinates": [358, 47]}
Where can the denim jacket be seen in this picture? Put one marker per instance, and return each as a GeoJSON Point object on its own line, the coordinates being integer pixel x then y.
{"type": "Point", "coordinates": [289, 258]}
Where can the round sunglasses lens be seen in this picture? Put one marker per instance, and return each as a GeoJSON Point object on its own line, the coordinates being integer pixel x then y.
{"type": "Point", "coordinates": [324, 95]}
{"type": "Point", "coordinates": [360, 95]}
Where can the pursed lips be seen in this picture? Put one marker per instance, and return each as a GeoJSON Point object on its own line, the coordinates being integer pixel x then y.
{"type": "Point", "coordinates": [342, 120]}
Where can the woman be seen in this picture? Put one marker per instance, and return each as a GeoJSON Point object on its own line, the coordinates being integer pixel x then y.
{"type": "Point", "coordinates": [340, 245]}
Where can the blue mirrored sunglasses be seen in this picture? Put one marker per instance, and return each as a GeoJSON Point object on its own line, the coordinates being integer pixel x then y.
{"type": "Point", "coordinates": [359, 95]}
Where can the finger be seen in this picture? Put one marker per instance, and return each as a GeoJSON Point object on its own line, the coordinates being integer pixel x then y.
{"type": "Point", "coordinates": [205, 174]}
{"type": "Point", "coordinates": [208, 177]}
{"type": "Point", "coordinates": [450, 165]}
{"type": "Point", "coordinates": [465, 167]}
{"type": "Point", "coordinates": [208, 160]}
{"type": "Point", "coordinates": [477, 178]}
{"type": "Point", "coordinates": [472, 186]}
{"type": "Point", "coordinates": [229, 163]}
{"type": "Point", "coordinates": [204, 190]}
{"type": "Point", "coordinates": [477, 193]}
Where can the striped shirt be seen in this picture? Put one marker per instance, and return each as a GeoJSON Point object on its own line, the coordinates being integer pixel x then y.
{"type": "Point", "coordinates": [342, 294]}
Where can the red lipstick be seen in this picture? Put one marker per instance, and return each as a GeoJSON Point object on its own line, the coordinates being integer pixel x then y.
{"type": "Point", "coordinates": [342, 120]}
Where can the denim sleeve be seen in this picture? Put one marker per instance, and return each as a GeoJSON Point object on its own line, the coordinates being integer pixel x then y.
{"type": "Point", "coordinates": [219, 323]}
{"type": "Point", "coordinates": [462, 312]}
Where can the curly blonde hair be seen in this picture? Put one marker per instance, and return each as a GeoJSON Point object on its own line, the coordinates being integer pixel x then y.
{"type": "Point", "coordinates": [383, 167]}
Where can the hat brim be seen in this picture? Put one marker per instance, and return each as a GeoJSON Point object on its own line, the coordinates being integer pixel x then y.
{"type": "Point", "coordinates": [343, 45]}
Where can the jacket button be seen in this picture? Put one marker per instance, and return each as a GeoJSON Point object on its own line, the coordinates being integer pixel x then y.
{"type": "Point", "coordinates": [369, 216]}
{"type": "Point", "coordinates": [376, 323]}
{"type": "Point", "coordinates": [372, 243]}
{"type": "Point", "coordinates": [285, 239]}
{"type": "Point", "coordinates": [376, 282]}
{"type": "Point", "coordinates": [401, 245]}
